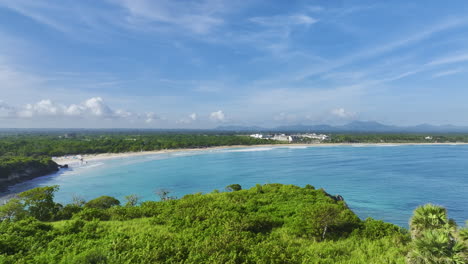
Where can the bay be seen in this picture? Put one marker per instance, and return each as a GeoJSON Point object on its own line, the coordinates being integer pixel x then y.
{"type": "Point", "coordinates": [385, 182]}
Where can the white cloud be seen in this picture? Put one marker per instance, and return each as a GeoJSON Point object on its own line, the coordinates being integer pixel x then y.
{"type": "Point", "coordinates": [285, 117]}
{"type": "Point", "coordinates": [91, 108]}
{"type": "Point", "coordinates": [187, 120]}
{"type": "Point", "coordinates": [315, 8]}
{"type": "Point", "coordinates": [450, 59]}
{"type": "Point", "coordinates": [77, 19]}
{"type": "Point", "coordinates": [150, 117]}
{"type": "Point", "coordinates": [446, 73]}
{"type": "Point", "coordinates": [123, 114]}
{"type": "Point", "coordinates": [41, 108]}
{"type": "Point", "coordinates": [405, 41]}
{"type": "Point", "coordinates": [35, 10]}
{"type": "Point", "coordinates": [218, 116]}
{"type": "Point", "coordinates": [199, 17]}
{"type": "Point", "coordinates": [342, 113]}
{"type": "Point", "coordinates": [96, 107]}
{"type": "Point", "coordinates": [6, 110]}
{"type": "Point", "coordinates": [284, 21]}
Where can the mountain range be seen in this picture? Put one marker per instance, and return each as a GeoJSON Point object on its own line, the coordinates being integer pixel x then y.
{"type": "Point", "coordinates": [355, 126]}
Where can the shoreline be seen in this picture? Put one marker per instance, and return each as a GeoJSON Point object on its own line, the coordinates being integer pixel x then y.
{"type": "Point", "coordinates": [73, 159]}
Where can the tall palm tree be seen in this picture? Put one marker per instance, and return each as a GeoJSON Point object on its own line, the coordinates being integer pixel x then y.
{"type": "Point", "coordinates": [464, 233]}
{"type": "Point", "coordinates": [435, 237]}
{"type": "Point", "coordinates": [429, 217]}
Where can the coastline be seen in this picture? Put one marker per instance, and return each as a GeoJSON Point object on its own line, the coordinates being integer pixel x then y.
{"type": "Point", "coordinates": [73, 160]}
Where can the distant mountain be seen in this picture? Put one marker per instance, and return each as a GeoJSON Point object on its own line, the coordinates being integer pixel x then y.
{"type": "Point", "coordinates": [355, 126]}
{"type": "Point", "coordinates": [241, 128]}
{"type": "Point", "coordinates": [367, 126]}
{"type": "Point", "coordinates": [305, 128]}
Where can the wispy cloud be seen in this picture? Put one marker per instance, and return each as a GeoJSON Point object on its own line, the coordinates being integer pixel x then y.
{"type": "Point", "coordinates": [284, 21]}
{"type": "Point", "coordinates": [38, 11]}
{"type": "Point", "coordinates": [342, 113]}
{"type": "Point", "coordinates": [199, 17]}
{"type": "Point", "coordinates": [384, 48]}
{"type": "Point", "coordinates": [463, 57]}
{"type": "Point", "coordinates": [76, 18]}
{"type": "Point", "coordinates": [447, 73]}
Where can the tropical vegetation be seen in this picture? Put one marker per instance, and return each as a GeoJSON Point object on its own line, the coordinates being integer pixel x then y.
{"type": "Point", "coordinates": [270, 223]}
{"type": "Point", "coordinates": [29, 155]}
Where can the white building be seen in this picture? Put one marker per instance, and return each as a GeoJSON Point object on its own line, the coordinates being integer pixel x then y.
{"type": "Point", "coordinates": [315, 136]}
{"type": "Point", "coordinates": [256, 135]}
{"type": "Point", "coordinates": [282, 137]}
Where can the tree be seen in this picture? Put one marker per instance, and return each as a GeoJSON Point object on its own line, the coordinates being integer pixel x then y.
{"type": "Point", "coordinates": [435, 237]}
{"type": "Point", "coordinates": [132, 200]}
{"type": "Point", "coordinates": [437, 246]}
{"type": "Point", "coordinates": [78, 201]}
{"type": "Point", "coordinates": [463, 234]}
{"type": "Point", "coordinates": [40, 202]}
{"type": "Point", "coordinates": [103, 202]}
{"type": "Point", "coordinates": [429, 217]}
{"type": "Point", "coordinates": [322, 219]}
{"type": "Point", "coordinates": [164, 194]}
{"type": "Point", "coordinates": [233, 187]}
{"type": "Point", "coordinates": [12, 210]}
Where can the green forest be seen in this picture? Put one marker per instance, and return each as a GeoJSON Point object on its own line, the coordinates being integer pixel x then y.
{"type": "Point", "coordinates": [270, 223]}
{"type": "Point", "coordinates": [398, 138]}
{"type": "Point", "coordinates": [29, 155]}
{"type": "Point", "coordinates": [53, 145]}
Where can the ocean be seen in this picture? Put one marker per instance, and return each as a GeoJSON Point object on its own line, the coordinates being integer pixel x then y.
{"type": "Point", "coordinates": [385, 182]}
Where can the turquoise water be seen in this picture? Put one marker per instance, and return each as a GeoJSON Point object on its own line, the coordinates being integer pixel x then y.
{"type": "Point", "coordinates": [383, 182]}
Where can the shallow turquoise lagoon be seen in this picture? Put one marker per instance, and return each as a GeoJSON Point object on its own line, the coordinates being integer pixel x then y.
{"type": "Point", "coordinates": [383, 182]}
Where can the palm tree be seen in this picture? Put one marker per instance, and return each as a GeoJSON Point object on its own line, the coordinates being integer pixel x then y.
{"type": "Point", "coordinates": [464, 233]}
{"type": "Point", "coordinates": [436, 246]}
{"type": "Point", "coordinates": [434, 237]}
{"type": "Point", "coordinates": [429, 217]}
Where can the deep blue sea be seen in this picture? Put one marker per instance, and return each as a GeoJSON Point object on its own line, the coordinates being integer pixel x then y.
{"type": "Point", "coordinates": [383, 182]}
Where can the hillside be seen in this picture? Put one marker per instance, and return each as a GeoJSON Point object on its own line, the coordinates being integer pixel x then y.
{"type": "Point", "coordinates": [273, 223]}
{"type": "Point", "coordinates": [267, 224]}
{"type": "Point", "coordinates": [18, 169]}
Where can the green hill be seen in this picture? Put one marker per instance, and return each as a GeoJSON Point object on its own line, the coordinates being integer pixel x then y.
{"type": "Point", "coordinates": [272, 223]}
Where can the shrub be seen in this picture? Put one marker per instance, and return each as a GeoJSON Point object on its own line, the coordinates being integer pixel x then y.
{"type": "Point", "coordinates": [325, 220]}
{"type": "Point", "coordinates": [375, 229]}
{"type": "Point", "coordinates": [233, 187]}
{"type": "Point", "coordinates": [103, 202]}
{"type": "Point", "coordinates": [67, 212]}
{"type": "Point", "coordinates": [89, 214]}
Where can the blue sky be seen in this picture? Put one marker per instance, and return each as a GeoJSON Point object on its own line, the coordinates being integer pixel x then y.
{"type": "Point", "coordinates": [200, 64]}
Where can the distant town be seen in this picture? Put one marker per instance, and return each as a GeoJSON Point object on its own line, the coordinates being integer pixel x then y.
{"type": "Point", "coordinates": [309, 137]}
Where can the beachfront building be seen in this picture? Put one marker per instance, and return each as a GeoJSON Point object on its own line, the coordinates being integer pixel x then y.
{"type": "Point", "coordinates": [282, 137]}
{"type": "Point", "coordinates": [292, 138]}
{"type": "Point", "coordinates": [314, 136]}
{"type": "Point", "coordinates": [256, 136]}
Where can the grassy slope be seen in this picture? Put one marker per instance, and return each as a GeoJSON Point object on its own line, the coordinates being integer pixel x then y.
{"type": "Point", "coordinates": [266, 224]}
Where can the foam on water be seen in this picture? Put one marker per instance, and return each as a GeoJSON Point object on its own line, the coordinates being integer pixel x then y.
{"type": "Point", "coordinates": [247, 149]}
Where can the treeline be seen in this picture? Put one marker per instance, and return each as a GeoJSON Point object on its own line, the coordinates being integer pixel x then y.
{"type": "Point", "coordinates": [20, 164]}
{"type": "Point", "coordinates": [46, 145]}
{"type": "Point", "coordinates": [270, 223]}
{"type": "Point", "coordinates": [397, 138]}
{"type": "Point", "coordinates": [29, 155]}
{"type": "Point", "coordinates": [14, 169]}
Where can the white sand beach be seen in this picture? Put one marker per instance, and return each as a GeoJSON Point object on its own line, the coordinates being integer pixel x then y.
{"type": "Point", "coordinates": [76, 159]}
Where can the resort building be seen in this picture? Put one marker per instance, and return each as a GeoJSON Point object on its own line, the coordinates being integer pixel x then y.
{"type": "Point", "coordinates": [256, 136]}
